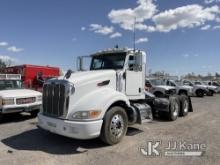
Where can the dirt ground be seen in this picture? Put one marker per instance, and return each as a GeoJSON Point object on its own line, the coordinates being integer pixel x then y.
{"type": "Point", "coordinates": [22, 143]}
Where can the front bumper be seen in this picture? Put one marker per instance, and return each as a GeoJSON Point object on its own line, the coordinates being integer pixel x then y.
{"type": "Point", "coordinates": [72, 129]}
{"type": "Point", "coordinates": [23, 108]}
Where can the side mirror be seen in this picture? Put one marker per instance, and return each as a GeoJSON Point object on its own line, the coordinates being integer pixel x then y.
{"type": "Point", "coordinates": [138, 62]}
{"type": "Point", "coordinates": [80, 64]}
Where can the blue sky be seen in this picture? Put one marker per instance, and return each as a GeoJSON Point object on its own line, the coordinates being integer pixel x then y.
{"type": "Point", "coordinates": [178, 36]}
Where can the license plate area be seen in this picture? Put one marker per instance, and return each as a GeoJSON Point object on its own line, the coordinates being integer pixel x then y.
{"type": "Point", "coordinates": [51, 124]}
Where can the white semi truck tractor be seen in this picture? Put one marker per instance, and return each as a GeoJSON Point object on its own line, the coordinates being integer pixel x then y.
{"type": "Point", "coordinates": [103, 101]}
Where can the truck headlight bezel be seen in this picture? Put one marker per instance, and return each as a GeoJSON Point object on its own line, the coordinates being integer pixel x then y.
{"type": "Point", "coordinates": [8, 101]}
{"type": "Point", "coordinates": [86, 115]}
{"type": "Point", "coordinates": [39, 98]}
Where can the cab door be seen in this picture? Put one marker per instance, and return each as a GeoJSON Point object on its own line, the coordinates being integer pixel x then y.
{"type": "Point", "coordinates": [134, 76]}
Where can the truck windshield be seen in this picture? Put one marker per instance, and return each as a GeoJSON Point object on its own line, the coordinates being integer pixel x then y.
{"type": "Point", "coordinates": [10, 84]}
{"type": "Point", "coordinates": [198, 83]}
{"type": "Point", "coordinates": [108, 61]}
{"type": "Point", "coordinates": [216, 84]}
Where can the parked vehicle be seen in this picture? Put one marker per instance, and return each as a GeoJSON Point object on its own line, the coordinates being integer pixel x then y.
{"type": "Point", "coordinates": [33, 76]}
{"type": "Point", "coordinates": [164, 88]}
{"type": "Point", "coordinates": [198, 90]}
{"type": "Point", "coordinates": [213, 83]}
{"type": "Point", "coordinates": [15, 99]}
{"type": "Point", "coordinates": [103, 101]}
{"type": "Point", "coordinates": [211, 89]}
{"type": "Point", "coordinates": [159, 88]}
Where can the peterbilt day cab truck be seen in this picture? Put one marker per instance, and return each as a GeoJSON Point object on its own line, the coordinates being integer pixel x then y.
{"type": "Point", "coordinates": [103, 101]}
{"type": "Point", "coordinates": [15, 99]}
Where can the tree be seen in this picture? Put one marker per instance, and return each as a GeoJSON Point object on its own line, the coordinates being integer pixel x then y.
{"type": "Point", "coordinates": [2, 64]}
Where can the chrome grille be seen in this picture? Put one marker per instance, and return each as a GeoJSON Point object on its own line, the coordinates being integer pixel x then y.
{"type": "Point", "coordinates": [25, 100]}
{"type": "Point", "coordinates": [55, 99]}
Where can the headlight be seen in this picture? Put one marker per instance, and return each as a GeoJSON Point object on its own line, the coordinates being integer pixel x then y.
{"type": "Point", "coordinates": [8, 101]}
{"type": "Point", "coordinates": [86, 114]}
{"type": "Point", "coordinates": [39, 98]}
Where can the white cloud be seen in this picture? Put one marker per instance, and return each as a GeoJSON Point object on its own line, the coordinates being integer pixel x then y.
{"type": "Point", "coordinates": [74, 39]}
{"type": "Point", "coordinates": [3, 44]}
{"type": "Point", "coordinates": [104, 30]}
{"type": "Point", "coordinates": [211, 1]}
{"type": "Point", "coordinates": [188, 16]}
{"type": "Point", "coordinates": [15, 49]}
{"type": "Point", "coordinates": [83, 28]}
{"type": "Point", "coordinates": [141, 40]}
{"type": "Point", "coordinates": [115, 35]}
{"type": "Point", "coordinates": [185, 17]}
{"type": "Point", "coordinates": [216, 27]}
{"type": "Point", "coordinates": [126, 17]}
{"type": "Point", "coordinates": [8, 60]}
{"type": "Point", "coordinates": [186, 55]}
{"type": "Point", "coordinates": [206, 27]}
{"type": "Point", "coordinates": [207, 66]}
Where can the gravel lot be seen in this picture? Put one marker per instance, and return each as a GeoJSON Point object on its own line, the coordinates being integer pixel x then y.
{"type": "Point", "coordinates": [22, 143]}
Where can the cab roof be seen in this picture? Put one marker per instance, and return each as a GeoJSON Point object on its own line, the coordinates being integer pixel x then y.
{"type": "Point", "coordinates": [114, 50]}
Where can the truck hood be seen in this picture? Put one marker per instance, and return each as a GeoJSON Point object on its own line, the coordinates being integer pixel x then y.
{"type": "Point", "coordinates": [85, 76]}
{"type": "Point", "coordinates": [212, 87]}
{"type": "Point", "coordinates": [19, 93]}
{"type": "Point", "coordinates": [202, 86]}
{"type": "Point", "coordinates": [186, 87]}
{"type": "Point", "coordinates": [165, 87]}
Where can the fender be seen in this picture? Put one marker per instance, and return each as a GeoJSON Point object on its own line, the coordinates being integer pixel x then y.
{"type": "Point", "coordinates": [100, 99]}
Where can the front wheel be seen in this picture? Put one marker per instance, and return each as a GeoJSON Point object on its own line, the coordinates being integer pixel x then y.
{"type": "Point", "coordinates": [200, 93]}
{"type": "Point", "coordinates": [174, 109]}
{"type": "Point", "coordinates": [114, 126]}
{"type": "Point", "coordinates": [34, 113]}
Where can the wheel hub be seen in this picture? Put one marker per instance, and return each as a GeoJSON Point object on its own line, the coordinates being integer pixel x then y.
{"type": "Point", "coordinates": [117, 125]}
{"type": "Point", "coordinates": [175, 109]}
{"type": "Point", "coordinates": [186, 106]}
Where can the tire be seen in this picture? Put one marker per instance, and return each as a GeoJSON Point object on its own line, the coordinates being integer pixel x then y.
{"type": "Point", "coordinates": [174, 109]}
{"type": "Point", "coordinates": [210, 93]}
{"type": "Point", "coordinates": [200, 93]}
{"type": "Point", "coordinates": [34, 113]}
{"type": "Point", "coordinates": [184, 105]}
{"type": "Point", "coordinates": [183, 93]}
{"type": "Point", "coordinates": [114, 126]}
{"type": "Point", "coordinates": [1, 116]}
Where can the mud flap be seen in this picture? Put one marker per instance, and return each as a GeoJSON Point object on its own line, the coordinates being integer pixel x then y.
{"type": "Point", "coordinates": [190, 104]}
{"type": "Point", "coordinates": [161, 104]}
{"type": "Point", "coordinates": [144, 113]}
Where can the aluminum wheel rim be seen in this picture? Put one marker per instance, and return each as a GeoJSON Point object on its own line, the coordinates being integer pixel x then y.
{"type": "Point", "coordinates": [117, 126]}
{"type": "Point", "coordinates": [186, 106]}
{"type": "Point", "coordinates": [175, 109]}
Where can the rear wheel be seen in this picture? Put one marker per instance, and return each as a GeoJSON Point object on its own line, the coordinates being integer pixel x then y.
{"type": "Point", "coordinates": [114, 125]}
{"type": "Point", "coordinates": [210, 93]}
{"type": "Point", "coordinates": [174, 109]}
{"type": "Point", "coordinates": [184, 105]}
{"type": "Point", "coordinates": [200, 93]}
